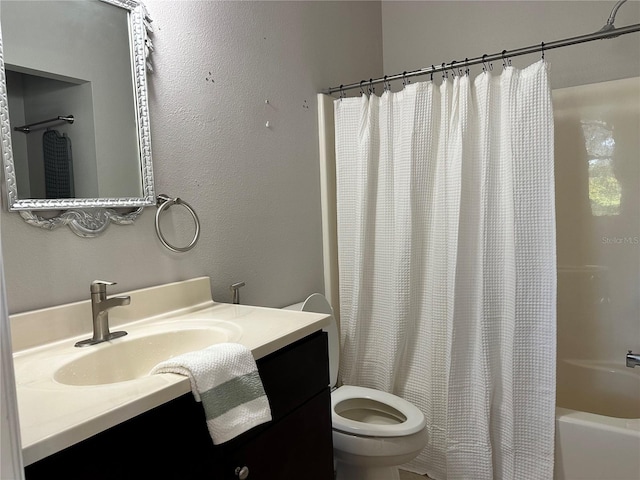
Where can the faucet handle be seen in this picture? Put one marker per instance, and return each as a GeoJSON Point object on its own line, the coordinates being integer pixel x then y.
{"type": "Point", "coordinates": [235, 290]}
{"type": "Point", "coordinates": [100, 286]}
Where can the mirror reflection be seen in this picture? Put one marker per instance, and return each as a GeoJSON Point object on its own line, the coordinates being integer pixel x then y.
{"type": "Point", "coordinates": [72, 100]}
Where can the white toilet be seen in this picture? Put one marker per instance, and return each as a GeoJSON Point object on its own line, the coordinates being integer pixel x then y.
{"type": "Point", "coordinates": [373, 431]}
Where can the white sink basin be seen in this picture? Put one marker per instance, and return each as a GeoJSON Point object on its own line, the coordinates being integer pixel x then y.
{"type": "Point", "coordinates": [134, 355]}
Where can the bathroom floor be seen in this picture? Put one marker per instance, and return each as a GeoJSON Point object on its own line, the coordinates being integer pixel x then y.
{"type": "Point", "coordinates": [404, 475]}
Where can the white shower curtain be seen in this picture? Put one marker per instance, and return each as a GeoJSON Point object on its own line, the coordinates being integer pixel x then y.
{"type": "Point", "coordinates": [446, 249]}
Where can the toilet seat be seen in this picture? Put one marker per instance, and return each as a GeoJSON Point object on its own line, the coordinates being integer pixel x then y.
{"type": "Point", "coordinates": [414, 422]}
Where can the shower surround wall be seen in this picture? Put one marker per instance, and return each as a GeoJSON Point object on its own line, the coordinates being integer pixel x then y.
{"type": "Point", "coordinates": [598, 216]}
{"type": "Point", "coordinates": [256, 189]}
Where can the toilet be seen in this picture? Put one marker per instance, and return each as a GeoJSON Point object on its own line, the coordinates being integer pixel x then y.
{"type": "Point", "coordinates": [373, 431]}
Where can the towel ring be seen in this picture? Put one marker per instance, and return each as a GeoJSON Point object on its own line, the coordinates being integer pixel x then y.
{"type": "Point", "coordinates": [163, 203]}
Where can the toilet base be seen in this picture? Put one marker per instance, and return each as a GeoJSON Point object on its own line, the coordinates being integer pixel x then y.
{"type": "Point", "coordinates": [345, 471]}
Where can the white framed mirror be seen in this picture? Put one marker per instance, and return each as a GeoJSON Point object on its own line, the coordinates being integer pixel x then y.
{"type": "Point", "coordinates": [74, 119]}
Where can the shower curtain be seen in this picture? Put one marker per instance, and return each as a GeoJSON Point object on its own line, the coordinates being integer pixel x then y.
{"type": "Point", "coordinates": [446, 251]}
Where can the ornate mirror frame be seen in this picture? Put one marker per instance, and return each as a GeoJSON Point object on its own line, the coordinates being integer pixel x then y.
{"type": "Point", "coordinates": [88, 217]}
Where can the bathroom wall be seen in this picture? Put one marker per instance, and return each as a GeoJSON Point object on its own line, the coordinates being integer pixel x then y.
{"type": "Point", "coordinates": [418, 34]}
{"type": "Point", "coordinates": [46, 98]}
{"type": "Point", "coordinates": [256, 189]}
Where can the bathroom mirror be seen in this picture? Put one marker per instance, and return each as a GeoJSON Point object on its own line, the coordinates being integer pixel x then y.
{"type": "Point", "coordinates": [74, 113]}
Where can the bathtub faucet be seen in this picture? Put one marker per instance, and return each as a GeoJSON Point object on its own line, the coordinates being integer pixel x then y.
{"type": "Point", "coordinates": [633, 359]}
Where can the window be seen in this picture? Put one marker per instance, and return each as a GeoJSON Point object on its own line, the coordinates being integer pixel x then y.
{"type": "Point", "coordinates": [604, 188]}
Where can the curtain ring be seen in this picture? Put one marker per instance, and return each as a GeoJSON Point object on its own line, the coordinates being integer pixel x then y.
{"type": "Point", "coordinates": [361, 89]}
{"type": "Point", "coordinates": [388, 84]}
{"type": "Point", "coordinates": [163, 203]}
{"type": "Point", "coordinates": [542, 49]}
{"type": "Point", "coordinates": [372, 90]}
{"type": "Point", "coordinates": [405, 80]}
{"type": "Point", "coordinates": [453, 70]}
{"type": "Point", "coordinates": [445, 74]}
{"type": "Point", "coordinates": [466, 67]}
{"type": "Point", "coordinates": [433, 69]}
{"type": "Point", "coordinates": [342, 95]}
{"type": "Point", "coordinates": [486, 68]}
{"type": "Point", "coordinates": [506, 62]}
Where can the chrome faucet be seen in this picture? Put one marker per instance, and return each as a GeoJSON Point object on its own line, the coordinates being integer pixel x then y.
{"type": "Point", "coordinates": [100, 306]}
{"type": "Point", "coordinates": [235, 291]}
{"type": "Point", "coordinates": [633, 359]}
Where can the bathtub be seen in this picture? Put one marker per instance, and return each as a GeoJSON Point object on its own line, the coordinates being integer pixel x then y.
{"type": "Point", "coordinates": [597, 421]}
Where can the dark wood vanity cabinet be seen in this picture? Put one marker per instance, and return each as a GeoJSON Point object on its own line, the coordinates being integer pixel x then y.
{"type": "Point", "coordinates": [172, 440]}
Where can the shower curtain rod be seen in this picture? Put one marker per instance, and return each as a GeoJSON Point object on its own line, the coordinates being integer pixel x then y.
{"type": "Point", "coordinates": [607, 32]}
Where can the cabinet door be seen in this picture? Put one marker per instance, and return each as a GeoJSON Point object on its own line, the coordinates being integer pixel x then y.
{"type": "Point", "coordinates": [295, 374]}
{"type": "Point", "coordinates": [297, 447]}
{"type": "Point", "coordinates": [170, 442]}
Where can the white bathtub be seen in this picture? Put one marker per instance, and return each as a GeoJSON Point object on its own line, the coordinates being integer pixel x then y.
{"type": "Point", "coordinates": [597, 421]}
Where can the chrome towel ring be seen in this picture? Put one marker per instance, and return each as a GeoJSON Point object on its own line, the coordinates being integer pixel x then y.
{"type": "Point", "coordinates": [163, 203]}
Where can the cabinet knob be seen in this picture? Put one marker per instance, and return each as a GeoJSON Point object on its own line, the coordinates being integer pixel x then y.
{"type": "Point", "coordinates": [242, 473]}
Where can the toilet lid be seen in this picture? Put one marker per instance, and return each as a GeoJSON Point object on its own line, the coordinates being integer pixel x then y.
{"type": "Point", "coordinates": [414, 422]}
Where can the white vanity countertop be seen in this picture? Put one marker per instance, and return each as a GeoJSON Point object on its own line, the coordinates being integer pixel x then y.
{"type": "Point", "coordinates": [54, 416]}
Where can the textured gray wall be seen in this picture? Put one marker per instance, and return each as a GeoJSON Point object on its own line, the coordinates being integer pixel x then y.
{"type": "Point", "coordinates": [418, 34]}
{"type": "Point", "coordinates": [256, 189]}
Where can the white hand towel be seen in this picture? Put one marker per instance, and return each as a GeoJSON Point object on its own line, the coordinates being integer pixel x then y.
{"type": "Point", "coordinates": [225, 378]}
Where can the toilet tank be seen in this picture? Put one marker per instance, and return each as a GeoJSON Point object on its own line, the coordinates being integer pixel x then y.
{"type": "Point", "coordinates": [317, 303]}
